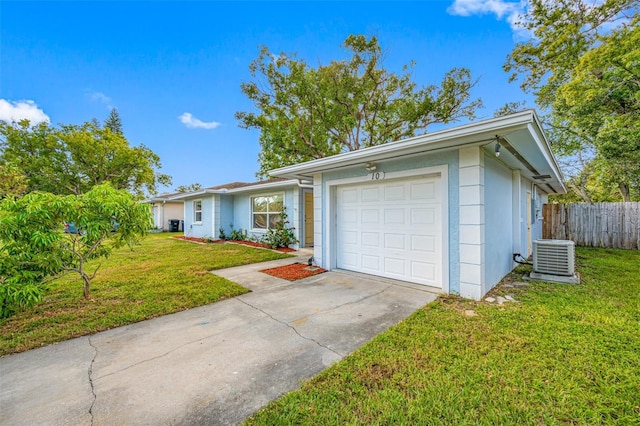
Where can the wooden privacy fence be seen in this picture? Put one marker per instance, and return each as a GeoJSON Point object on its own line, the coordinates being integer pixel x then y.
{"type": "Point", "coordinates": [613, 225]}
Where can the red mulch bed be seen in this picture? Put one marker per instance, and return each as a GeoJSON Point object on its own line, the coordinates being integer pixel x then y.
{"type": "Point", "coordinates": [293, 272]}
{"type": "Point", "coordinates": [254, 244]}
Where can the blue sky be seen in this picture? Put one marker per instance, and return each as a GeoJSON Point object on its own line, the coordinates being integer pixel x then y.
{"type": "Point", "coordinates": [173, 69]}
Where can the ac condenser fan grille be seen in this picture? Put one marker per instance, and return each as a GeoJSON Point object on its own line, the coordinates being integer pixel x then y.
{"type": "Point", "coordinates": [553, 257]}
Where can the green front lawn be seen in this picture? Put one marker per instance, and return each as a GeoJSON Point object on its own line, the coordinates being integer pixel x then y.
{"type": "Point", "coordinates": [567, 354]}
{"type": "Point", "coordinates": [161, 276]}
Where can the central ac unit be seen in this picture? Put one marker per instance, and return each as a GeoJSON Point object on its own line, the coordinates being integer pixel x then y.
{"type": "Point", "coordinates": [554, 260]}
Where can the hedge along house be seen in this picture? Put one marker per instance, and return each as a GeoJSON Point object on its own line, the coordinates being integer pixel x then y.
{"type": "Point", "coordinates": [249, 207]}
{"type": "Point", "coordinates": [446, 210]}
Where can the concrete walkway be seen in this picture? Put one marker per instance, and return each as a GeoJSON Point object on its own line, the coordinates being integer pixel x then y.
{"type": "Point", "coordinates": [215, 364]}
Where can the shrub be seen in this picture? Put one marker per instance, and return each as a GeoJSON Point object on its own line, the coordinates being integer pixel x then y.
{"type": "Point", "coordinates": [282, 235]}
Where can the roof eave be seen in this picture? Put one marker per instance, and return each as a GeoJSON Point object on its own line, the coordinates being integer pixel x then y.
{"type": "Point", "coordinates": [264, 186]}
{"type": "Point", "coordinates": [428, 142]}
{"type": "Point", "coordinates": [196, 194]}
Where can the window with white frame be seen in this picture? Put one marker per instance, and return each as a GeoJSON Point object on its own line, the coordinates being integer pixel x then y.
{"type": "Point", "coordinates": [197, 211]}
{"type": "Point", "coordinates": [266, 211]}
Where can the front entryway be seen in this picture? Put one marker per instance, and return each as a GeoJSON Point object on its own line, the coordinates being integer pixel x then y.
{"type": "Point", "coordinates": [308, 219]}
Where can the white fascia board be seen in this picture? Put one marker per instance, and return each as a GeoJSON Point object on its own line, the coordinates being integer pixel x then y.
{"type": "Point", "coordinates": [196, 194]}
{"type": "Point", "coordinates": [431, 141]}
{"type": "Point", "coordinates": [546, 153]}
{"type": "Point", "coordinates": [545, 148]}
{"type": "Point", "coordinates": [264, 186]}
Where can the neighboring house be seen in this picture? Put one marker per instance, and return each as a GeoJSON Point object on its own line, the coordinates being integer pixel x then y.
{"type": "Point", "coordinates": [164, 209]}
{"type": "Point", "coordinates": [441, 209]}
{"type": "Point", "coordinates": [250, 207]}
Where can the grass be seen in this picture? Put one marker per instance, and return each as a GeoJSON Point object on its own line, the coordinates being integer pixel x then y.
{"type": "Point", "coordinates": [567, 354]}
{"type": "Point", "coordinates": [161, 276]}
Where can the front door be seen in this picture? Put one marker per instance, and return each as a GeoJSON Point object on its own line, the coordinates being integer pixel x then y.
{"type": "Point", "coordinates": [529, 249]}
{"type": "Point", "coordinates": [308, 219]}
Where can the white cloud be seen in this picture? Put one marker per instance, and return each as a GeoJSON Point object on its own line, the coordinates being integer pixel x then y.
{"type": "Point", "coordinates": [15, 111]}
{"type": "Point", "coordinates": [193, 123]}
{"type": "Point", "coordinates": [100, 97]}
{"type": "Point", "coordinates": [509, 10]}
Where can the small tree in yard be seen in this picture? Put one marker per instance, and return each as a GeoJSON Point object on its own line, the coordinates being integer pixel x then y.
{"type": "Point", "coordinates": [34, 249]}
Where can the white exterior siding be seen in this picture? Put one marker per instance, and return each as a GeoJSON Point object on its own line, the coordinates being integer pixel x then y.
{"type": "Point", "coordinates": [204, 228]}
{"type": "Point", "coordinates": [499, 218]}
{"type": "Point", "coordinates": [472, 222]}
{"type": "Point", "coordinates": [226, 215]}
{"type": "Point", "coordinates": [242, 217]}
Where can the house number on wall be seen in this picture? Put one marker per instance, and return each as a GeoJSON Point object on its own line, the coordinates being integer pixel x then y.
{"type": "Point", "coordinates": [377, 175]}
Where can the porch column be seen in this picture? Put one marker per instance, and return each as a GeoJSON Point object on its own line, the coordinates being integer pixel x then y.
{"type": "Point", "coordinates": [472, 241]}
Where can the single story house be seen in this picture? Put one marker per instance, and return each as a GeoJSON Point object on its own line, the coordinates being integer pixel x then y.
{"type": "Point", "coordinates": [164, 209]}
{"type": "Point", "coordinates": [446, 209]}
{"type": "Point", "coordinates": [249, 207]}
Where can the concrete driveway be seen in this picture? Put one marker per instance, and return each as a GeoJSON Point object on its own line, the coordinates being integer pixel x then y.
{"type": "Point", "coordinates": [216, 364]}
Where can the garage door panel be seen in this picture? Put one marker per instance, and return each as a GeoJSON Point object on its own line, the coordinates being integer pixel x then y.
{"type": "Point", "coordinates": [349, 216]}
{"type": "Point", "coordinates": [423, 243]}
{"type": "Point", "coordinates": [370, 216]}
{"type": "Point", "coordinates": [394, 193]}
{"type": "Point", "coordinates": [423, 216]}
{"type": "Point", "coordinates": [371, 239]}
{"type": "Point", "coordinates": [371, 194]}
{"type": "Point", "coordinates": [423, 191]}
{"type": "Point", "coordinates": [349, 260]}
{"type": "Point", "coordinates": [394, 241]}
{"type": "Point", "coordinates": [394, 266]}
{"type": "Point", "coordinates": [392, 229]}
{"type": "Point", "coordinates": [394, 216]}
{"type": "Point", "coordinates": [350, 196]}
{"type": "Point", "coordinates": [422, 270]}
{"type": "Point", "coordinates": [350, 237]}
{"type": "Point", "coordinates": [371, 263]}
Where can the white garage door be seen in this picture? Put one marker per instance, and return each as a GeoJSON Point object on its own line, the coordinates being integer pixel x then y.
{"type": "Point", "coordinates": [391, 229]}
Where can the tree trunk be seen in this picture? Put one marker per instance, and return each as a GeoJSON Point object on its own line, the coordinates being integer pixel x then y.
{"type": "Point", "coordinates": [624, 191]}
{"type": "Point", "coordinates": [581, 191]}
{"type": "Point", "coordinates": [87, 285]}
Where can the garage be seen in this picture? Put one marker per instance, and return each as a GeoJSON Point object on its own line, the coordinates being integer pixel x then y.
{"type": "Point", "coordinates": [391, 228]}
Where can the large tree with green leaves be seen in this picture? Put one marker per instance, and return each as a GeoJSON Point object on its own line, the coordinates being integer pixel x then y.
{"type": "Point", "coordinates": [12, 182]}
{"type": "Point", "coordinates": [34, 249]}
{"type": "Point", "coordinates": [72, 159]}
{"type": "Point", "coordinates": [306, 113]}
{"type": "Point", "coordinates": [582, 63]}
{"type": "Point", "coordinates": [189, 188]}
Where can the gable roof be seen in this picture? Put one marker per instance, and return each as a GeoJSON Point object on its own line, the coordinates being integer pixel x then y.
{"type": "Point", "coordinates": [526, 148]}
{"type": "Point", "coordinates": [238, 187]}
{"type": "Point", "coordinates": [161, 198]}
